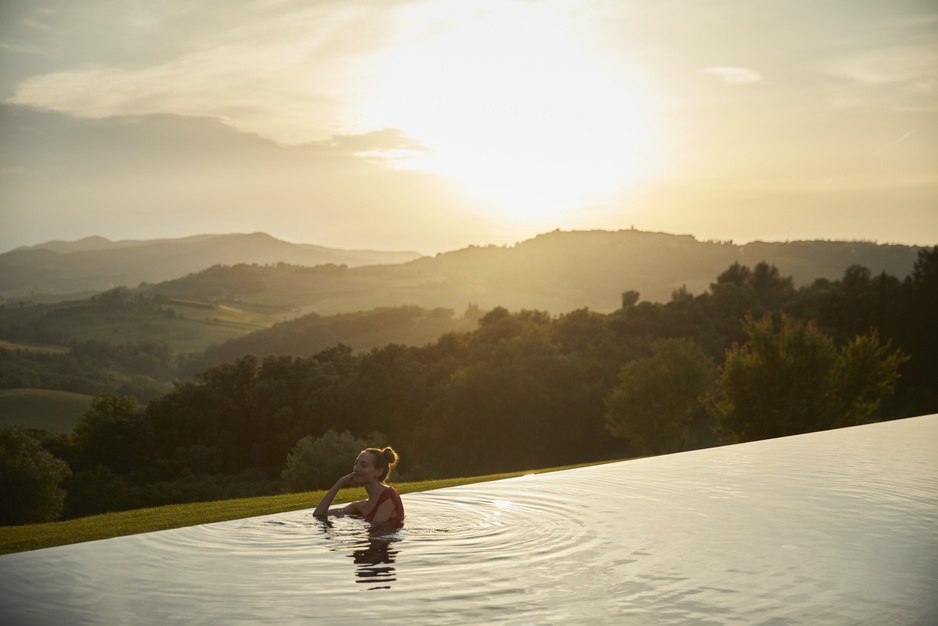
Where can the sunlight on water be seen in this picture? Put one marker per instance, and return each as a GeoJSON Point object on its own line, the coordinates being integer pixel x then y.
{"type": "Point", "coordinates": [839, 527]}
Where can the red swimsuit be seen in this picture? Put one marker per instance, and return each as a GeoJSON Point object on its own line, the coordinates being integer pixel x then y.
{"type": "Point", "coordinates": [398, 515]}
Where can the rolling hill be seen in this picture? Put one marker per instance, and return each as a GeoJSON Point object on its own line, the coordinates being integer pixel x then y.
{"type": "Point", "coordinates": [555, 272]}
{"type": "Point", "coordinates": [59, 270]}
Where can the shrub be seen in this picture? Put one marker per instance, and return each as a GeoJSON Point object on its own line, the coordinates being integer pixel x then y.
{"type": "Point", "coordinates": [30, 479]}
{"type": "Point", "coordinates": [317, 462]}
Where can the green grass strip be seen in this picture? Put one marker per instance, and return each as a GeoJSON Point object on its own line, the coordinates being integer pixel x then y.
{"type": "Point", "coordinates": [121, 523]}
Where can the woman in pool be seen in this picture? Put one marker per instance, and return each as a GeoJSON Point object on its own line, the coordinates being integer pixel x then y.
{"type": "Point", "coordinates": [371, 469]}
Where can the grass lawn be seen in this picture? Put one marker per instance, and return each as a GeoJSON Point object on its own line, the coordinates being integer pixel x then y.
{"type": "Point", "coordinates": [37, 536]}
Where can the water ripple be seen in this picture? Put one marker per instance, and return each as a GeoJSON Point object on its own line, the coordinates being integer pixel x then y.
{"type": "Point", "coordinates": [831, 528]}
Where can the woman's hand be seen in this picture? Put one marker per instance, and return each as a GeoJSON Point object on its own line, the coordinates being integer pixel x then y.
{"type": "Point", "coordinates": [326, 502]}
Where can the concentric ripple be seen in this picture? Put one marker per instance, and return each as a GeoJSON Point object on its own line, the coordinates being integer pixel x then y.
{"type": "Point", "coordinates": [829, 528]}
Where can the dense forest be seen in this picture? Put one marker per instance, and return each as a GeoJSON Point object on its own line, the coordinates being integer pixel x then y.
{"type": "Point", "coordinates": [522, 389]}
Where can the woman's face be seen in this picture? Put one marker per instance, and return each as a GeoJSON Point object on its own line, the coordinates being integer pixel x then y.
{"type": "Point", "coordinates": [365, 469]}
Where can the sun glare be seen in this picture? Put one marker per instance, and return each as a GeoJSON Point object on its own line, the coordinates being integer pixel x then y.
{"type": "Point", "coordinates": [513, 103]}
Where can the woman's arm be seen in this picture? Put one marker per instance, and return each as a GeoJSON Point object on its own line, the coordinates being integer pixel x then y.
{"type": "Point", "coordinates": [323, 508]}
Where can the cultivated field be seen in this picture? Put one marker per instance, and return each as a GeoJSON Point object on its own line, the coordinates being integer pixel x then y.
{"type": "Point", "coordinates": [46, 409]}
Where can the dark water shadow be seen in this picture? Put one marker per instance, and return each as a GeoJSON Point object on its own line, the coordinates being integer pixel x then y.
{"type": "Point", "coordinates": [373, 549]}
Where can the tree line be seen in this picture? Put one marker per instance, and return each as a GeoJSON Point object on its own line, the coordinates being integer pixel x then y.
{"type": "Point", "coordinates": [752, 357]}
{"type": "Point", "coordinates": [137, 369]}
{"type": "Point", "coordinates": [144, 368]}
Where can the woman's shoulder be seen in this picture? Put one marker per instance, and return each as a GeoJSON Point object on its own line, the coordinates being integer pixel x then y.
{"type": "Point", "coordinates": [388, 492]}
{"type": "Point", "coordinates": [395, 497]}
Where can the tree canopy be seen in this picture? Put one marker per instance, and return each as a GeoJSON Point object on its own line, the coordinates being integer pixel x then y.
{"type": "Point", "coordinates": [656, 397]}
{"type": "Point", "coordinates": [30, 479]}
{"type": "Point", "coordinates": [790, 378]}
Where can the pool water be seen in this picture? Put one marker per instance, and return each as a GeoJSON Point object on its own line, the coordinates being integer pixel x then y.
{"type": "Point", "coordinates": [838, 527]}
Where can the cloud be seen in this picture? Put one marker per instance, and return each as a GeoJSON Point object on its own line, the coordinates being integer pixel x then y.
{"type": "Point", "coordinates": [31, 23]}
{"type": "Point", "coordinates": [734, 75]}
{"type": "Point", "coordinates": [901, 78]}
{"type": "Point", "coordinates": [285, 77]}
{"type": "Point", "coordinates": [388, 139]}
{"type": "Point", "coordinates": [20, 49]}
{"type": "Point", "coordinates": [168, 174]}
{"type": "Point", "coordinates": [35, 138]}
{"type": "Point", "coordinates": [389, 147]}
{"type": "Point", "coordinates": [887, 66]}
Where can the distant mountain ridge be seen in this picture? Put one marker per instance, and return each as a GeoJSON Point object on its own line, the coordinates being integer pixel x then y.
{"type": "Point", "coordinates": [555, 272]}
{"type": "Point", "coordinates": [96, 242]}
{"type": "Point", "coordinates": [58, 269]}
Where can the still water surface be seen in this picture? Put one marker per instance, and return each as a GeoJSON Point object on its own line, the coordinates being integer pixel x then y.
{"type": "Point", "coordinates": [839, 527]}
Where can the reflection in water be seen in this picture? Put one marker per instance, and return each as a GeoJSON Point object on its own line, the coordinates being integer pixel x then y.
{"type": "Point", "coordinates": [373, 552]}
{"type": "Point", "coordinates": [373, 558]}
{"type": "Point", "coordinates": [838, 527]}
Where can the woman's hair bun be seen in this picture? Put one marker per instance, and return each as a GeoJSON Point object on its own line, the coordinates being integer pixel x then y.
{"type": "Point", "coordinates": [390, 456]}
{"type": "Point", "coordinates": [385, 459]}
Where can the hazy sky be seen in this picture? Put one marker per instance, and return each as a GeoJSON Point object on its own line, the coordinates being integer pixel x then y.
{"type": "Point", "coordinates": [433, 125]}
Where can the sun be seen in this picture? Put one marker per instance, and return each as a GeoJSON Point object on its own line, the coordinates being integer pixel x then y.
{"type": "Point", "coordinates": [515, 105]}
